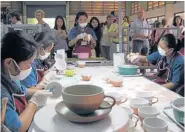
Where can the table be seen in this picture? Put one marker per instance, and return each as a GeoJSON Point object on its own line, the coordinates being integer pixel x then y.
{"type": "Point", "coordinates": [131, 86]}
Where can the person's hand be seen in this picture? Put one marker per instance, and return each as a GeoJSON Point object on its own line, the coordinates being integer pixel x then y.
{"type": "Point", "coordinates": [133, 58]}
{"type": "Point", "coordinates": [88, 37]}
{"type": "Point", "coordinates": [39, 98]}
{"type": "Point", "coordinates": [81, 36]}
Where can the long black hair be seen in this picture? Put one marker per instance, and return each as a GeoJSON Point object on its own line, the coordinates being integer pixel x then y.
{"type": "Point", "coordinates": [174, 20]}
{"type": "Point", "coordinates": [90, 23]}
{"type": "Point", "coordinates": [172, 42]}
{"type": "Point", "coordinates": [63, 26]}
{"type": "Point", "coordinates": [97, 30]}
{"type": "Point", "coordinates": [18, 45]}
{"type": "Point", "coordinates": [82, 13]}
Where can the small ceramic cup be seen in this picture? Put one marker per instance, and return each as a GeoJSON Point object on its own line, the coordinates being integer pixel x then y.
{"type": "Point", "coordinates": [86, 77]}
{"type": "Point", "coordinates": [135, 103]}
{"type": "Point", "coordinates": [154, 124]}
{"type": "Point", "coordinates": [147, 111]}
{"type": "Point", "coordinates": [81, 64]}
{"type": "Point", "coordinates": [116, 81]}
{"type": "Point", "coordinates": [133, 118]}
{"type": "Point", "coordinates": [119, 98]}
{"type": "Point", "coordinates": [148, 96]}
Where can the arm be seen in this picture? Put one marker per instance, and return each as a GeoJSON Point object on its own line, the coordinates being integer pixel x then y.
{"type": "Point", "coordinates": [73, 42]}
{"type": "Point", "coordinates": [113, 34]}
{"type": "Point", "coordinates": [63, 35]}
{"type": "Point", "coordinates": [143, 59]}
{"type": "Point", "coordinates": [114, 31]}
{"type": "Point", "coordinates": [152, 58]}
{"type": "Point", "coordinates": [26, 116]}
{"type": "Point", "coordinates": [72, 37]}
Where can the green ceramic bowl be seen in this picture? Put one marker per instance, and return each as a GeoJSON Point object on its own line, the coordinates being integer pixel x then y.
{"type": "Point", "coordinates": [128, 69]}
{"type": "Point", "coordinates": [178, 109]}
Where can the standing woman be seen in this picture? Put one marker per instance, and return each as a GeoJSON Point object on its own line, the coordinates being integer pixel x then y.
{"type": "Point", "coordinates": [95, 25]}
{"type": "Point", "coordinates": [178, 22]}
{"type": "Point", "coordinates": [61, 34]}
{"type": "Point", "coordinates": [81, 36]}
{"type": "Point", "coordinates": [106, 40]}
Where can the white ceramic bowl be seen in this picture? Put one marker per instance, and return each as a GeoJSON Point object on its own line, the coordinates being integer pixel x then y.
{"type": "Point", "coordinates": [147, 111]}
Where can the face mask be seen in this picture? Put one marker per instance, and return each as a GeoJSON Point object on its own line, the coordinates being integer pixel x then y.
{"type": "Point", "coordinates": [161, 51]}
{"type": "Point", "coordinates": [22, 75]}
{"type": "Point", "coordinates": [83, 25]}
{"type": "Point", "coordinates": [43, 57]}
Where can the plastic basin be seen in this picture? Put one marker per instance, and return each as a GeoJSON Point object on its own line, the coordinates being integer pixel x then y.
{"type": "Point", "coordinates": [128, 69]}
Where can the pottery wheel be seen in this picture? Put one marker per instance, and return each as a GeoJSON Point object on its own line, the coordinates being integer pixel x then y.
{"type": "Point", "coordinates": [47, 120]}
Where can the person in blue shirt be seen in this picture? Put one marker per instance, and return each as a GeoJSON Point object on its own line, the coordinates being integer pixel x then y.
{"type": "Point", "coordinates": [170, 63]}
{"type": "Point", "coordinates": [18, 50]}
{"type": "Point", "coordinates": [82, 37]}
{"type": "Point", "coordinates": [45, 45]}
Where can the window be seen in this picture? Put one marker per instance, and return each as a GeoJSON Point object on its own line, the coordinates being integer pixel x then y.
{"type": "Point", "coordinates": [160, 18]}
{"type": "Point", "coordinates": [180, 14]}
{"type": "Point", "coordinates": [95, 7]}
{"type": "Point", "coordinates": [135, 7]}
{"type": "Point", "coordinates": [153, 19]}
{"type": "Point", "coordinates": [155, 4]}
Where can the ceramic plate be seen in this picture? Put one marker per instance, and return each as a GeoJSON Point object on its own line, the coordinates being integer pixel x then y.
{"type": "Point", "coordinates": [99, 114]}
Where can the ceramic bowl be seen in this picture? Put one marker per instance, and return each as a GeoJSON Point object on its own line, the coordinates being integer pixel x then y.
{"type": "Point", "coordinates": [178, 109]}
{"type": "Point", "coordinates": [116, 81]}
{"type": "Point", "coordinates": [86, 77]}
{"type": "Point", "coordinates": [147, 111]}
{"type": "Point", "coordinates": [81, 64]}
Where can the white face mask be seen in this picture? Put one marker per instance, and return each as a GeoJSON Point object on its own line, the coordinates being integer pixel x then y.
{"type": "Point", "coordinates": [83, 25]}
{"type": "Point", "coordinates": [43, 57]}
{"type": "Point", "coordinates": [22, 75]}
{"type": "Point", "coordinates": [161, 51]}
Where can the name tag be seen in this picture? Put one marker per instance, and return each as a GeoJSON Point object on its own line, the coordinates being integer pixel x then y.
{"type": "Point", "coordinates": [83, 43]}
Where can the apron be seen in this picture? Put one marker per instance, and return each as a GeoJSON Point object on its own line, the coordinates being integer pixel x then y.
{"type": "Point", "coordinates": [20, 102]}
{"type": "Point", "coordinates": [164, 72]}
{"type": "Point", "coordinates": [81, 46]}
